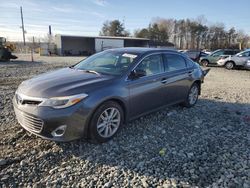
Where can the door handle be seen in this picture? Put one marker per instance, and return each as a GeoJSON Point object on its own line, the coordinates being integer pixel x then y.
{"type": "Point", "coordinates": [164, 80]}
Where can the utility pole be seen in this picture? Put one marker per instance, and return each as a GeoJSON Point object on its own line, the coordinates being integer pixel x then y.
{"type": "Point", "coordinates": [22, 26]}
{"type": "Point", "coordinates": [32, 50]}
{"type": "Point", "coordinates": [49, 41]}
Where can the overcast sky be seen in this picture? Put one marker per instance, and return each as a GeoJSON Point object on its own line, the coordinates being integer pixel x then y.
{"type": "Point", "coordinates": [85, 17]}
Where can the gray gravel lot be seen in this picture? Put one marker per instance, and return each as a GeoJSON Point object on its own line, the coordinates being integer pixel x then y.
{"type": "Point", "coordinates": [204, 146]}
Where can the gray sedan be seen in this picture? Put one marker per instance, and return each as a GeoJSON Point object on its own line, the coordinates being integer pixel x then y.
{"type": "Point", "coordinates": [95, 97]}
{"type": "Point", "coordinates": [241, 59]}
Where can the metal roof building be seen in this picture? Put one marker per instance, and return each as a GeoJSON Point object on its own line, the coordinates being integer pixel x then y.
{"type": "Point", "coordinates": [87, 45]}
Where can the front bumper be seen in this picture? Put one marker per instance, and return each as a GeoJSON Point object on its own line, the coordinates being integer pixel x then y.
{"type": "Point", "coordinates": [44, 121]}
{"type": "Point", "coordinates": [247, 65]}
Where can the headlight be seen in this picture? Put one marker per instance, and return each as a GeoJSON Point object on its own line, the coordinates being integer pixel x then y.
{"type": "Point", "coordinates": [63, 102]}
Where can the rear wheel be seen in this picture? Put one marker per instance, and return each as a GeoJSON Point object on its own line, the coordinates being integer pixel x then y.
{"type": "Point", "coordinates": [106, 122]}
{"type": "Point", "coordinates": [204, 63]}
{"type": "Point", "coordinates": [229, 65]}
{"type": "Point", "coordinates": [192, 96]}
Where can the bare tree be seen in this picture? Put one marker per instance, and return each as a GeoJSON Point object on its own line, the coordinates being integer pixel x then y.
{"type": "Point", "coordinates": [243, 39]}
{"type": "Point", "coordinates": [193, 33]}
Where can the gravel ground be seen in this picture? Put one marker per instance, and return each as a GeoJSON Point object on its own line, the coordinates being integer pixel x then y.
{"type": "Point", "coordinates": [204, 146]}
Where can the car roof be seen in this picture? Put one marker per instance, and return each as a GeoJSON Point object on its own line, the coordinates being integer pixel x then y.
{"type": "Point", "coordinates": [232, 49]}
{"type": "Point", "coordinates": [246, 50]}
{"type": "Point", "coordinates": [141, 51]}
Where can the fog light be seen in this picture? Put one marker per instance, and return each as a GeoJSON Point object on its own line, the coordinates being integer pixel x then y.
{"type": "Point", "coordinates": [59, 131]}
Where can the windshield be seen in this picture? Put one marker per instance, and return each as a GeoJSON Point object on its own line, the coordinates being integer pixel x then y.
{"type": "Point", "coordinates": [243, 54]}
{"type": "Point", "coordinates": [111, 62]}
{"type": "Point", "coordinates": [216, 53]}
{"type": "Point", "coordinates": [238, 54]}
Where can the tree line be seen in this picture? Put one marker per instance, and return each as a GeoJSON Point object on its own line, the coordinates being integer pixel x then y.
{"type": "Point", "coordinates": [184, 33]}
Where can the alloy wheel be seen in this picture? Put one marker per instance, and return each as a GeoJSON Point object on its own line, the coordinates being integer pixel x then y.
{"type": "Point", "coordinates": [108, 122]}
{"type": "Point", "coordinates": [229, 65]}
{"type": "Point", "coordinates": [193, 94]}
{"type": "Point", "coordinates": [204, 63]}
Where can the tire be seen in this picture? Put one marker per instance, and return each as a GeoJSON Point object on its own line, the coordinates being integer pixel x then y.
{"type": "Point", "coordinates": [192, 96]}
{"type": "Point", "coordinates": [229, 65]}
{"type": "Point", "coordinates": [106, 122]}
{"type": "Point", "coordinates": [204, 63]}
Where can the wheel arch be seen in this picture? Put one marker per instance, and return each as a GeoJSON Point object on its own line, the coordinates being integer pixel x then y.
{"type": "Point", "coordinates": [117, 100]}
{"type": "Point", "coordinates": [198, 82]}
{"type": "Point", "coordinates": [205, 59]}
{"type": "Point", "coordinates": [122, 104]}
{"type": "Point", "coordinates": [230, 61]}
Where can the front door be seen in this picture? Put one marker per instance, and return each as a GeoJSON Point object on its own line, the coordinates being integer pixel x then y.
{"type": "Point", "coordinates": [146, 91]}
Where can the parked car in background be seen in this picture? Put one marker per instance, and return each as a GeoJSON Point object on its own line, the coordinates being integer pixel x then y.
{"type": "Point", "coordinates": [195, 55]}
{"type": "Point", "coordinates": [217, 55]}
{"type": "Point", "coordinates": [241, 59]}
{"type": "Point", "coordinates": [207, 51]}
{"type": "Point", "coordinates": [93, 98]}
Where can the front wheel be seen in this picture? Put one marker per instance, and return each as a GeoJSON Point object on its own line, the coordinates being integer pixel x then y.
{"type": "Point", "coordinates": [229, 65]}
{"type": "Point", "coordinates": [106, 122]}
{"type": "Point", "coordinates": [204, 63]}
{"type": "Point", "coordinates": [192, 96]}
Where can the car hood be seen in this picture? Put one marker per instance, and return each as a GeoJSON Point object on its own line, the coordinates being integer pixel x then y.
{"type": "Point", "coordinates": [62, 82]}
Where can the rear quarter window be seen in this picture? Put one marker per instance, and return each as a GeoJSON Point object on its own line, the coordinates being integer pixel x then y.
{"type": "Point", "coordinates": [174, 62]}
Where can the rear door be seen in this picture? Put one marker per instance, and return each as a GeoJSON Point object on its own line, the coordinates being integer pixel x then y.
{"type": "Point", "coordinates": [178, 77]}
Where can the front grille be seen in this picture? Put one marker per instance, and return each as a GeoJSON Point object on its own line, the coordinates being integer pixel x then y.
{"type": "Point", "coordinates": [31, 123]}
{"type": "Point", "coordinates": [31, 102]}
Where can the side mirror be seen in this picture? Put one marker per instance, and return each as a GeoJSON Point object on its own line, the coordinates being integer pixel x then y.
{"type": "Point", "coordinates": [137, 73]}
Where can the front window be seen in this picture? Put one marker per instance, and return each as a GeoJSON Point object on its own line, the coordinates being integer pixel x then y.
{"type": "Point", "coordinates": [110, 62]}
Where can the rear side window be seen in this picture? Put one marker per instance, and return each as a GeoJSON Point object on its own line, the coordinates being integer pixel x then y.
{"type": "Point", "coordinates": [230, 52]}
{"type": "Point", "coordinates": [174, 62]}
{"type": "Point", "coordinates": [151, 65]}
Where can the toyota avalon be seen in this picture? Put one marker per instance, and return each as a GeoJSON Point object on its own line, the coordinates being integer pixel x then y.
{"type": "Point", "coordinates": [95, 97]}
